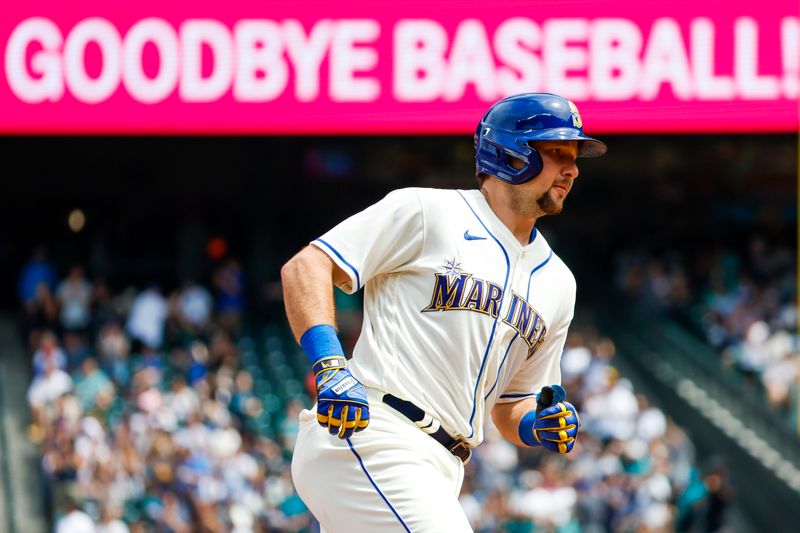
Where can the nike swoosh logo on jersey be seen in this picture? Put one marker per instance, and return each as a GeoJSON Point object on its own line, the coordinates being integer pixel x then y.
{"type": "Point", "coordinates": [473, 237]}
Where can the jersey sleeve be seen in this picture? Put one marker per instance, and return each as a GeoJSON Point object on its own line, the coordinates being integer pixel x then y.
{"type": "Point", "coordinates": [544, 368]}
{"type": "Point", "coordinates": [378, 240]}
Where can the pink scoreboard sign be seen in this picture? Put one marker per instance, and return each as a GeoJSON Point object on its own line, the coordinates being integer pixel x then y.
{"type": "Point", "coordinates": [377, 67]}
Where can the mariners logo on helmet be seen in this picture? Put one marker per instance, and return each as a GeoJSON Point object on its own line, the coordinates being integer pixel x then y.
{"type": "Point", "coordinates": [576, 117]}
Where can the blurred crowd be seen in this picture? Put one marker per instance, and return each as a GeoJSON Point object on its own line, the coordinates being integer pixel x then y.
{"type": "Point", "coordinates": [741, 301]}
{"type": "Point", "coordinates": [144, 409]}
{"type": "Point", "coordinates": [632, 470]}
{"type": "Point", "coordinates": [144, 413]}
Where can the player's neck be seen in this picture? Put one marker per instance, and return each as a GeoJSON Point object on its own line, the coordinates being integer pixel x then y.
{"type": "Point", "coordinates": [520, 224]}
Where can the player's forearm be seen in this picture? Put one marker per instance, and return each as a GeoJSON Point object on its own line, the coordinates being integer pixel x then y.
{"type": "Point", "coordinates": [307, 280]}
{"type": "Point", "coordinates": [507, 417]}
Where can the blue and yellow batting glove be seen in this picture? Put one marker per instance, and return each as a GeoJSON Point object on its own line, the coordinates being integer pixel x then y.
{"type": "Point", "coordinates": [342, 405]}
{"type": "Point", "coordinates": [554, 424]}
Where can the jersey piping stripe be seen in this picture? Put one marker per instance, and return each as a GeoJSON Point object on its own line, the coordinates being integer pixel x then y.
{"type": "Point", "coordinates": [497, 377]}
{"type": "Point", "coordinates": [364, 468]}
{"type": "Point", "coordinates": [523, 395]}
{"type": "Point", "coordinates": [500, 368]}
{"type": "Point", "coordinates": [494, 326]}
{"type": "Point", "coordinates": [537, 267]}
{"type": "Point", "coordinates": [345, 261]}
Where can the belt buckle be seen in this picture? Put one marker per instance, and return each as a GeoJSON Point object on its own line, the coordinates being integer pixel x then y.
{"type": "Point", "coordinates": [461, 450]}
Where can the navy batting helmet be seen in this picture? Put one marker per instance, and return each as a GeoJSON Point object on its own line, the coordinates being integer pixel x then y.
{"type": "Point", "coordinates": [510, 124]}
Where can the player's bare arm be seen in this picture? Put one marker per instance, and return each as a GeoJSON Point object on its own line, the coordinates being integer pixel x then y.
{"type": "Point", "coordinates": [507, 417]}
{"type": "Point", "coordinates": [308, 279]}
{"type": "Point", "coordinates": [549, 420]}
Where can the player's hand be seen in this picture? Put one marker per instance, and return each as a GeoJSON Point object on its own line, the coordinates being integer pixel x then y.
{"type": "Point", "coordinates": [557, 423]}
{"type": "Point", "coordinates": [342, 406]}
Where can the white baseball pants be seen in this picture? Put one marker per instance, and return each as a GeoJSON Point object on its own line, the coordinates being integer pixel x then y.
{"type": "Point", "coordinates": [390, 477]}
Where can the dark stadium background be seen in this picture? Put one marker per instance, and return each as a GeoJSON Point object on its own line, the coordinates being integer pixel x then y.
{"type": "Point", "coordinates": [153, 203]}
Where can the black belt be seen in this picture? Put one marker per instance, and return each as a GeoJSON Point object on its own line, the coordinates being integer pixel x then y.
{"type": "Point", "coordinates": [457, 447]}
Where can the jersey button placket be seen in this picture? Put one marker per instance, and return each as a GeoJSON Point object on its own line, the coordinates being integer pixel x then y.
{"type": "Point", "coordinates": [519, 279]}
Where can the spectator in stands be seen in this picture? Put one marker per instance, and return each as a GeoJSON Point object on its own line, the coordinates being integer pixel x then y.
{"type": "Point", "coordinates": [720, 494]}
{"type": "Point", "coordinates": [77, 348]}
{"type": "Point", "coordinates": [194, 307]}
{"type": "Point", "coordinates": [703, 504]}
{"type": "Point", "coordinates": [244, 404]}
{"type": "Point", "coordinates": [90, 383]}
{"type": "Point", "coordinates": [751, 354]}
{"type": "Point", "coordinates": [75, 520]}
{"type": "Point", "coordinates": [182, 401]}
{"type": "Point", "coordinates": [47, 387]}
{"type": "Point", "coordinates": [41, 315]}
{"type": "Point", "coordinates": [198, 363]}
{"type": "Point", "coordinates": [48, 351]}
{"type": "Point", "coordinates": [36, 271]}
{"type": "Point", "coordinates": [779, 378]}
{"type": "Point", "coordinates": [549, 498]}
{"type": "Point", "coordinates": [35, 286]}
{"type": "Point", "coordinates": [113, 349]}
{"type": "Point", "coordinates": [651, 423]}
{"type": "Point", "coordinates": [290, 425]}
{"type": "Point", "coordinates": [147, 316]}
{"type": "Point", "coordinates": [102, 307]}
{"type": "Point", "coordinates": [111, 521]}
{"type": "Point", "coordinates": [612, 413]}
{"type": "Point", "coordinates": [74, 295]}
{"type": "Point", "coordinates": [229, 284]}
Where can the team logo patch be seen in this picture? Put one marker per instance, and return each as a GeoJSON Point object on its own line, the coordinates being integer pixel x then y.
{"type": "Point", "coordinates": [452, 268]}
{"type": "Point", "coordinates": [576, 117]}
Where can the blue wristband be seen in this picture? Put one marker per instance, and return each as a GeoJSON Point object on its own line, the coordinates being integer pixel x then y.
{"type": "Point", "coordinates": [526, 429]}
{"type": "Point", "coordinates": [321, 341]}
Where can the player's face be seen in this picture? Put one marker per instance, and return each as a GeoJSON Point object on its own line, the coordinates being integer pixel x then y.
{"type": "Point", "coordinates": [545, 194]}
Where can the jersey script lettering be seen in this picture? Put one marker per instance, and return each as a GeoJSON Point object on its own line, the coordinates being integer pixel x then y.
{"type": "Point", "coordinates": [460, 291]}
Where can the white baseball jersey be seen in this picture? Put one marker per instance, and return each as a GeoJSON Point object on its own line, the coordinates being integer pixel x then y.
{"type": "Point", "coordinates": [458, 315]}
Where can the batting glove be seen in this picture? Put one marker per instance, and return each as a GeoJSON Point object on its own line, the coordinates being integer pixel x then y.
{"type": "Point", "coordinates": [554, 424]}
{"type": "Point", "coordinates": [342, 405]}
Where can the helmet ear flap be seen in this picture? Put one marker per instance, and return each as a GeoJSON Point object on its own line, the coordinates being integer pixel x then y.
{"type": "Point", "coordinates": [494, 150]}
{"type": "Point", "coordinates": [535, 161]}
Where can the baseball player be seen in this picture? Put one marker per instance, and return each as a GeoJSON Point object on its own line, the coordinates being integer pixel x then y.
{"type": "Point", "coordinates": [466, 310]}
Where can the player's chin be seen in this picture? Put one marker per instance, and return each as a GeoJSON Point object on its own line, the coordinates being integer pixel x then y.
{"type": "Point", "coordinates": [552, 204]}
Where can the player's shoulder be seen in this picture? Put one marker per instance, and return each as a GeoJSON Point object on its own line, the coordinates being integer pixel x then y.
{"type": "Point", "coordinates": [429, 192]}
{"type": "Point", "coordinates": [557, 265]}
{"type": "Point", "coordinates": [414, 193]}
{"type": "Point", "coordinates": [427, 198]}
{"type": "Point", "coordinates": [565, 271]}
